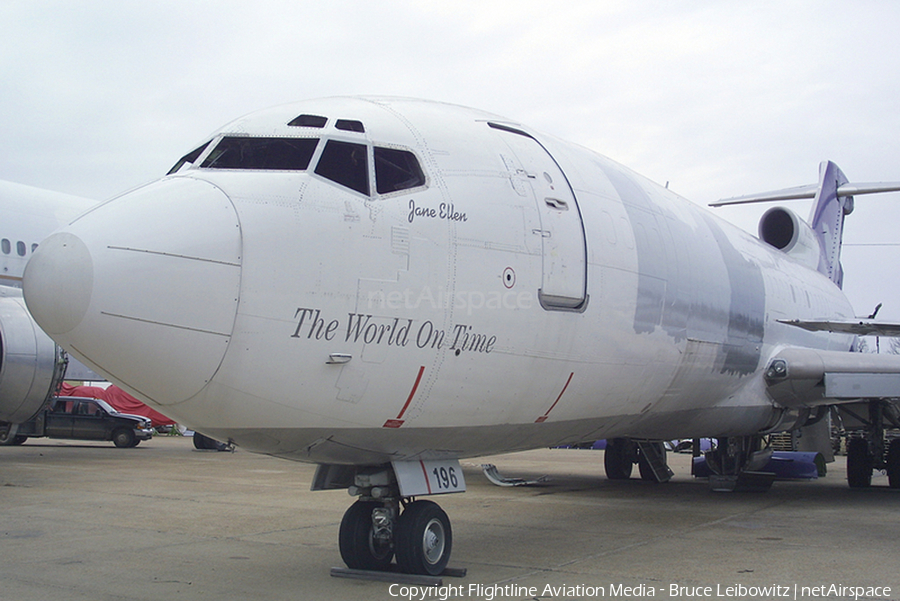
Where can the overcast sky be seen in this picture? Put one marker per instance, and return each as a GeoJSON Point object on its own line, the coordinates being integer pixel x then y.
{"type": "Point", "coordinates": [717, 98]}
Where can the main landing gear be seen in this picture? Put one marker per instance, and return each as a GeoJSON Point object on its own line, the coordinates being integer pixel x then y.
{"type": "Point", "coordinates": [736, 464]}
{"type": "Point", "coordinates": [870, 452]}
{"type": "Point", "coordinates": [622, 453]}
{"type": "Point", "coordinates": [382, 525]}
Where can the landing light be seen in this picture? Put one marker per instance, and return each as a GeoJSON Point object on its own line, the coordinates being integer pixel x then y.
{"type": "Point", "coordinates": [777, 369]}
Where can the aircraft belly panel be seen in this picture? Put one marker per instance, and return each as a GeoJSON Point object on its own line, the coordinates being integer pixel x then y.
{"type": "Point", "coordinates": [372, 446]}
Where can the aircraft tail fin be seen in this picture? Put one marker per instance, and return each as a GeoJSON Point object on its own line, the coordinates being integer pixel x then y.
{"type": "Point", "coordinates": [827, 219]}
{"type": "Point", "coordinates": [833, 200]}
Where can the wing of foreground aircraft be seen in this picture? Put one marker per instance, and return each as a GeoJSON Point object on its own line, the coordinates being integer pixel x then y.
{"type": "Point", "coordinates": [383, 286]}
{"type": "Point", "coordinates": [804, 377]}
{"type": "Point", "coordinates": [857, 328]}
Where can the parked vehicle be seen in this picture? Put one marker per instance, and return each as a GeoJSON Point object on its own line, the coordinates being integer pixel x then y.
{"type": "Point", "coordinates": [85, 419]}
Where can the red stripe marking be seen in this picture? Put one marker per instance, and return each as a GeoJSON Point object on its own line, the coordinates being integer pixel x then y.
{"type": "Point", "coordinates": [543, 418]}
{"type": "Point", "coordinates": [397, 422]}
{"type": "Point", "coordinates": [425, 472]}
{"type": "Point", "coordinates": [412, 392]}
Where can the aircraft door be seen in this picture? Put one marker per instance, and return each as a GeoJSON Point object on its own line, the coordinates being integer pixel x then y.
{"type": "Point", "coordinates": [564, 252]}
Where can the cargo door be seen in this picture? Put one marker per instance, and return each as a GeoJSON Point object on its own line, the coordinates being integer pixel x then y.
{"type": "Point", "coordinates": [564, 280]}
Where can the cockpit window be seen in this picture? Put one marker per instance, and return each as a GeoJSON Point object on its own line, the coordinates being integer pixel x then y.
{"type": "Point", "coordinates": [345, 163]}
{"type": "Point", "coordinates": [350, 125]}
{"type": "Point", "coordinates": [309, 121]}
{"type": "Point", "coordinates": [189, 158]}
{"type": "Point", "coordinates": [396, 170]}
{"type": "Point", "coordinates": [234, 152]}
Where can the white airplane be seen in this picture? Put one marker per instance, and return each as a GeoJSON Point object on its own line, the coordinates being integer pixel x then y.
{"type": "Point", "coordinates": [31, 365]}
{"type": "Point", "coordinates": [383, 286]}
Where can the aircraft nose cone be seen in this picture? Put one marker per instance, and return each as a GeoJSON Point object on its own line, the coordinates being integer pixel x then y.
{"type": "Point", "coordinates": [61, 277]}
{"type": "Point", "coordinates": [144, 288]}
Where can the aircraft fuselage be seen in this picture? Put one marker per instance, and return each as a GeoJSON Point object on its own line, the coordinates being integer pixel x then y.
{"type": "Point", "coordinates": [515, 291]}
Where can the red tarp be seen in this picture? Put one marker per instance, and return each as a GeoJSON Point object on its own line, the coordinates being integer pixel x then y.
{"type": "Point", "coordinates": [120, 400]}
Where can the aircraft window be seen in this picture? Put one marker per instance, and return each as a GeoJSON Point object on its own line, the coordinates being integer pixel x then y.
{"type": "Point", "coordinates": [34, 247]}
{"type": "Point", "coordinates": [6, 246]}
{"type": "Point", "coordinates": [309, 121]}
{"type": "Point", "coordinates": [396, 170]}
{"type": "Point", "coordinates": [261, 153]}
{"type": "Point", "coordinates": [346, 164]}
{"type": "Point", "coordinates": [190, 158]}
{"type": "Point", "coordinates": [349, 125]}
{"type": "Point", "coordinates": [20, 248]}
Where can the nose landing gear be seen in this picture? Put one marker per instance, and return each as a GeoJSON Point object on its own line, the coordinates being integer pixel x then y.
{"type": "Point", "coordinates": [382, 525]}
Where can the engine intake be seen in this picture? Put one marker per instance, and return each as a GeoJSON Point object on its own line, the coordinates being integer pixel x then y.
{"type": "Point", "coordinates": [783, 229]}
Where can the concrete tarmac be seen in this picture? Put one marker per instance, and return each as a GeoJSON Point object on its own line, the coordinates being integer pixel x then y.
{"type": "Point", "coordinates": [88, 521]}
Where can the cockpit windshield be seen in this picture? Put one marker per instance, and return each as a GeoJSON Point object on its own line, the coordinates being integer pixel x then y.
{"type": "Point", "coordinates": [188, 159]}
{"type": "Point", "coordinates": [234, 152]}
{"type": "Point", "coordinates": [396, 170]}
{"type": "Point", "coordinates": [344, 163]}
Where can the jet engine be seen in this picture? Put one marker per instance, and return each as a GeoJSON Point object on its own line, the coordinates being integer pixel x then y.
{"type": "Point", "coordinates": [31, 364]}
{"type": "Point", "coordinates": [783, 229]}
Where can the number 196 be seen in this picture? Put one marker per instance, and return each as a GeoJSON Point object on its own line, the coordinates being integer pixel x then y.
{"type": "Point", "coordinates": [445, 477]}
